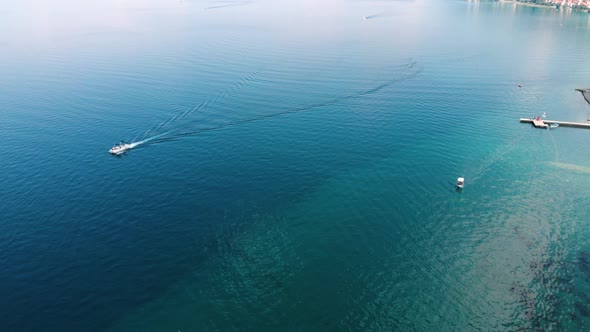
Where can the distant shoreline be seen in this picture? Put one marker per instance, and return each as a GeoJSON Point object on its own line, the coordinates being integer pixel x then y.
{"type": "Point", "coordinates": [528, 4]}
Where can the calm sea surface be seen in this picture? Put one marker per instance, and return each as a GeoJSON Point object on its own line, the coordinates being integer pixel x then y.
{"type": "Point", "coordinates": [297, 167]}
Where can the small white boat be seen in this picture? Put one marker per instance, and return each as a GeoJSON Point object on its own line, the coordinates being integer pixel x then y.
{"type": "Point", "coordinates": [120, 148]}
{"type": "Point", "coordinates": [554, 125]}
{"type": "Point", "coordinates": [460, 183]}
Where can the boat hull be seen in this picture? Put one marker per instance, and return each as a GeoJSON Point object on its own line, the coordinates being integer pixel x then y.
{"type": "Point", "coordinates": [460, 183]}
{"type": "Point", "coordinates": [117, 150]}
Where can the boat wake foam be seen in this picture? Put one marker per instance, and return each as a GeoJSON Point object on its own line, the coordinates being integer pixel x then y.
{"type": "Point", "coordinates": [401, 73]}
{"type": "Point", "coordinates": [571, 167]}
{"type": "Point", "coordinates": [404, 72]}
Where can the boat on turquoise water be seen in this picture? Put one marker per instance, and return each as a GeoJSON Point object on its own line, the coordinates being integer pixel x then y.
{"type": "Point", "coordinates": [120, 148]}
{"type": "Point", "coordinates": [460, 182]}
{"type": "Point", "coordinates": [553, 125]}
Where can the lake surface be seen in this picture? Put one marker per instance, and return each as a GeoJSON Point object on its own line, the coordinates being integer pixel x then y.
{"type": "Point", "coordinates": [299, 168]}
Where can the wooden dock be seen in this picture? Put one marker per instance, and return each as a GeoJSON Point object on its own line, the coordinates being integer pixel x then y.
{"type": "Point", "coordinates": [544, 123]}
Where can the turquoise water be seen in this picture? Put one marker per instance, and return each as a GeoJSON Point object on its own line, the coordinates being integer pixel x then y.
{"type": "Point", "coordinates": [301, 168]}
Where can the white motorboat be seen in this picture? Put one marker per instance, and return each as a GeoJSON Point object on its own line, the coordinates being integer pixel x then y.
{"type": "Point", "coordinates": [460, 183]}
{"type": "Point", "coordinates": [120, 148]}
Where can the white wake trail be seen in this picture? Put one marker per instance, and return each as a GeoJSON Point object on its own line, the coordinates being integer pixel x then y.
{"type": "Point", "coordinates": [147, 140]}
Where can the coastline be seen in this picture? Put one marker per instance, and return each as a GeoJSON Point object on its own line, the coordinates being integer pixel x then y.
{"type": "Point", "coordinates": [528, 4]}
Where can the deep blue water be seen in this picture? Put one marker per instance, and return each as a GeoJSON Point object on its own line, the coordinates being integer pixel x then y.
{"type": "Point", "coordinates": [300, 170]}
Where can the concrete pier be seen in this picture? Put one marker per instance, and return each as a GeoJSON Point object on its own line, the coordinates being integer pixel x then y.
{"type": "Point", "coordinates": [540, 123]}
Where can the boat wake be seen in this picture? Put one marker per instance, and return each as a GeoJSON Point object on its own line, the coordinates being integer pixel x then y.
{"type": "Point", "coordinates": [149, 137]}
{"type": "Point", "coordinates": [500, 154]}
{"type": "Point", "coordinates": [122, 148]}
{"type": "Point", "coordinates": [378, 15]}
{"type": "Point", "coordinates": [401, 73]}
{"type": "Point", "coordinates": [571, 167]}
{"type": "Point", "coordinates": [405, 72]}
{"type": "Point", "coordinates": [229, 4]}
{"type": "Point", "coordinates": [145, 141]}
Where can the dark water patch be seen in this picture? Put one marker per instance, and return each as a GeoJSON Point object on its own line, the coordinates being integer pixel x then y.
{"type": "Point", "coordinates": [584, 261]}
{"type": "Point", "coordinates": [582, 309]}
{"type": "Point", "coordinates": [547, 298]}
